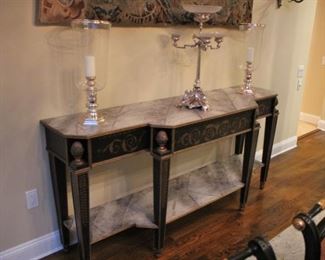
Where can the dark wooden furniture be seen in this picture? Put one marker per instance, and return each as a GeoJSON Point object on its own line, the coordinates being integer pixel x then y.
{"type": "Point", "coordinates": [158, 127]}
{"type": "Point", "coordinates": [258, 247]}
{"type": "Point", "coordinates": [313, 233]}
{"type": "Point", "coordinates": [267, 110]}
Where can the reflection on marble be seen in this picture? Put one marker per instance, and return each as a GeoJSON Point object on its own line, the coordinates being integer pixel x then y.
{"type": "Point", "coordinates": [158, 113]}
{"type": "Point", "coordinates": [200, 187]}
{"type": "Point", "coordinates": [187, 193]}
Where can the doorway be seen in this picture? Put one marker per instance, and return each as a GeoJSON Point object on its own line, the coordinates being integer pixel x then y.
{"type": "Point", "coordinates": [312, 113]}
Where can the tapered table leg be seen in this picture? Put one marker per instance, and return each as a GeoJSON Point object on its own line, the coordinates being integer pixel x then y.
{"type": "Point", "coordinates": [160, 181]}
{"type": "Point", "coordinates": [161, 165]}
{"type": "Point", "coordinates": [59, 184]}
{"type": "Point", "coordinates": [248, 163]}
{"type": "Point", "coordinates": [270, 127]}
{"type": "Point", "coordinates": [239, 145]}
{"type": "Point", "coordinates": [80, 195]}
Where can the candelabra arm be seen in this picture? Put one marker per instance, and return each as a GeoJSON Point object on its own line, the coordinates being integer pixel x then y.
{"type": "Point", "coordinates": [198, 69]}
{"type": "Point", "coordinates": [179, 47]}
{"type": "Point", "coordinates": [201, 26]}
{"type": "Point", "coordinates": [190, 45]}
{"type": "Point", "coordinates": [184, 46]}
{"type": "Point", "coordinates": [213, 48]}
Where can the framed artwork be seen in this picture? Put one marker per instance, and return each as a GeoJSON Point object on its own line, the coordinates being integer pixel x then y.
{"type": "Point", "coordinates": [141, 12]}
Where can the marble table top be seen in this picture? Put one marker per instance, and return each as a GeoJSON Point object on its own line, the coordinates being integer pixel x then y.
{"type": "Point", "coordinates": [158, 113]}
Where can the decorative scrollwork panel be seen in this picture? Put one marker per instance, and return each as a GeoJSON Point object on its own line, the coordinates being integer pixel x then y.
{"type": "Point", "coordinates": [114, 145]}
{"type": "Point", "coordinates": [192, 135]}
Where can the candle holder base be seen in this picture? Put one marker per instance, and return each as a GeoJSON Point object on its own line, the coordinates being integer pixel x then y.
{"type": "Point", "coordinates": [247, 91]}
{"type": "Point", "coordinates": [88, 121]}
{"type": "Point", "coordinates": [92, 117]}
{"type": "Point", "coordinates": [193, 99]}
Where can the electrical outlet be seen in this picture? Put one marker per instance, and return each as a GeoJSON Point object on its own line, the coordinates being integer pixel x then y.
{"type": "Point", "coordinates": [31, 199]}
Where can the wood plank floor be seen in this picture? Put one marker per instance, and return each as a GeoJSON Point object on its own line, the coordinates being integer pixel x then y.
{"type": "Point", "coordinates": [296, 182]}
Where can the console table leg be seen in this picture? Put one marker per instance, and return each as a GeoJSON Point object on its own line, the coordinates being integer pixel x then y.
{"type": "Point", "coordinates": [80, 194]}
{"type": "Point", "coordinates": [59, 184]}
{"type": "Point", "coordinates": [249, 158]}
{"type": "Point", "coordinates": [270, 127]}
{"type": "Point", "coordinates": [160, 181]}
{"type": "Point", "coordinates": [239, 145]}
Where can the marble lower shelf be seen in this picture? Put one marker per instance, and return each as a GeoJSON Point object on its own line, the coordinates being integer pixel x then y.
{"type": "Point", "coordinates": [187, 193]}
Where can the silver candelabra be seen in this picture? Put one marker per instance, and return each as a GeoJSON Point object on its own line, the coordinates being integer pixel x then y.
{"type": "Point", "coordinates": [195, 98]}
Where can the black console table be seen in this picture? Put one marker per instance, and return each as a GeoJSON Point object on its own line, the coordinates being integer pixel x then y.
{"type": "Point", "coordinates": [162, 129]}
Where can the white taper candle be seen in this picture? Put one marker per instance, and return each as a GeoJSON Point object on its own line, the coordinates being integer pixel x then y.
{"type": "Point", "coordinates": [90, 69]}
{"type": "Point", "coordinates": [250, 54]}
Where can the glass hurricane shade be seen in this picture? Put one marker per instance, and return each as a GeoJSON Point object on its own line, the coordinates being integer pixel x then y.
{"type": "Point", "coordinates": [91, 51]}
{"type": "Point", "coordinates": [251, 41]}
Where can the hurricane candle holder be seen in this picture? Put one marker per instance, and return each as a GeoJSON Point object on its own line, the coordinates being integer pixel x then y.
{"type": "Point", "coordinates": [196, 98]}
{"type": "Point", "coordinates": [92, 36]}
{"type": "Point", "coordinates": [253, 41]}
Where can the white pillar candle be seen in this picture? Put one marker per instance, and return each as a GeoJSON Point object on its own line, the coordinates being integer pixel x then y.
{"type": "Point", "coordinates": [90, 69]}
{"type": "Point", "coordinates": [250, 54]}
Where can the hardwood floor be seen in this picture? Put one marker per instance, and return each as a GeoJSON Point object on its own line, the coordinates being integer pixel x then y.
{"type": "Point", "coordinates": [296, 182]}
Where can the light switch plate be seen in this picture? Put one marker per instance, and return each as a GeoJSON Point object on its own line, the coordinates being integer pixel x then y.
{"type": "Point", "coordinates": [300, 71]}
{"type": "Point", "coordinates": [323, 60]}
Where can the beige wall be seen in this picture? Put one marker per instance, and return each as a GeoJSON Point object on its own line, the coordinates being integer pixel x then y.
{"type": "Point", "coordinates": [35, 79]}
{"type": "Point", "coordinates": [314, 93]}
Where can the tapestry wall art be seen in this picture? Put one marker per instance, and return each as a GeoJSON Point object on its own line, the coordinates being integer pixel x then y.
{"type": "Point", "coordinates": [134, 13]}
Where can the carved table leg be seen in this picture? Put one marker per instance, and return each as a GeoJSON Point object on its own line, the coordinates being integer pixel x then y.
{"type": "Point", "coordinates": [239, 143]}
{"type": "Point", "coordinates": [161, 166]}
{"type": "Point", "coordinates": [270, 127]}
{"type": "Point", "coordinates": [80, 195]}
{"type": "Point", "coordinates": [161, 178]}
{"type": "Point", "coordinates": [59, 184]}
{"type": "Point", "coordinates": [248, 163]}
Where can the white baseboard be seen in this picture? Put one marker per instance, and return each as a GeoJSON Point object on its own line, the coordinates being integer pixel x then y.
{"type": "Point", "coordinates": [280, 147]}
{"type": "Point", "coordinates": [50, 243]}
{"type": "Point", "coordinates": [321, 125]}
{"type": "Point", "coordinates": [309, 118]}
{"type": "Point", "coordinates": [312, 119]}
{"type": "Point", "coordinates": [34, 249]}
